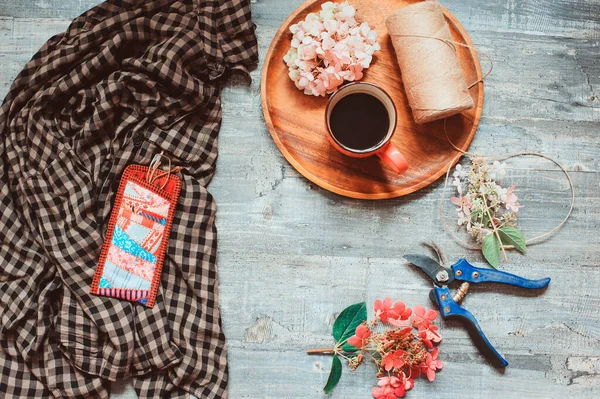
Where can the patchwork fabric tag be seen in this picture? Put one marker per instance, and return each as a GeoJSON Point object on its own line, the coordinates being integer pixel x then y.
{"type": "Point", "coordinates": [138, 233]}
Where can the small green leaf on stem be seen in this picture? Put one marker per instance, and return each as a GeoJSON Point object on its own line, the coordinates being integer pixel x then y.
{"type": "Point", "coordinates": [491, 250]}
{"type": "Point", "coordinates": [485, 221]}
{"type": "Point", "coordinates": [346, 323]}
{"type": "Point", "coordinates": [348, 348]}
{"type": "Point", "coordinates": [334, 375]}
{"type": "Point", "coordinates": [513, 236]}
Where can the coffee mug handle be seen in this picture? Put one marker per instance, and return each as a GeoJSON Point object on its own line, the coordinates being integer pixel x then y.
{"type": "Point", "coordinates": [390, 155]}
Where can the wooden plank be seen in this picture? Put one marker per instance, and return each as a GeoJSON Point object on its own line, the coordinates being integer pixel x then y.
{"type": "Point", "coordinates": [505, 313]}
{"type": "Point", "coordinates": [46, 8]}
{"type": "Point", "coordinates": [20, 38]}
{"type": "Point", "coordinates": [572, 18]}
{"type": "Point", "coordinates": [575, 18]}
{"type": "Point", "coordinates": [288, 374]}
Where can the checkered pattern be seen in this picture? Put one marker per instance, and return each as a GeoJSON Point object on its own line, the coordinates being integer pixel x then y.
{"type": "Point", "coordinates": [127, 80]}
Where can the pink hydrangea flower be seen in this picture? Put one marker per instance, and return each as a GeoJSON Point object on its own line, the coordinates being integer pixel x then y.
{"type": "Point", "coordinates": [360, 337]}
{"type": "Point", "coordinates": [328, 48]}
{"type": "Point", "coordinates": [430, 335]}
{"type": "Point", "coordinates": [423, 318]}
{"type": "Point", "coordinates": [404, 384]}
{"type": "Point", "coordinates": [393, 314]}
{"type": "Point", "coordinates": [385, 392]}
{"type": "Point", "coordinates": [463, 203]}
{"type": "Point", "coordinates": [393, 360]}
{"type": "Point", "coordinates": [464, 210]}
{"type": "Point", "coordinates": [390, 387]}
{"type": "Point", "coordinates": [432, 365]}
{"type": "Point", "coordinates": [511, 200]}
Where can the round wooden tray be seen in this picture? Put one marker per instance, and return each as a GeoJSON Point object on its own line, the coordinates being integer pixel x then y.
{"type": "Point", "coordinates": [296, 121]}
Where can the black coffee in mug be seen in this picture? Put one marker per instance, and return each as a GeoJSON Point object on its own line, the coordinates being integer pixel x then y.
{"type": "Point", "coordinates": [359, 121]}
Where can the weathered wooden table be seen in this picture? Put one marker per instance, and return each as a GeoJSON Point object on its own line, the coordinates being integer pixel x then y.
{"type": "Point", "coordinates": [292, 255]}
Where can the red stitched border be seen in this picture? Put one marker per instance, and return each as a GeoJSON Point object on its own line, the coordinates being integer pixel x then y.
{"type": "Point", "coordinates": [126, 291]}
{"type": "Point", "coordinates": [130, 175]}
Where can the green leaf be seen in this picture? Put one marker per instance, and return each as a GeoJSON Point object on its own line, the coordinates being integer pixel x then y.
{"type": "Point", "coordinates": [513, 236]}
{"type": "Point", "coordinates": [485, 220]}
{"type": "Point", "coordinates": [491, 249]}
{"type": "Point", "coordinates": [348, 320]}
{"type": "Point", "coordinates": [334, 375]}
{"type": "Point", "coordinates": [348, 348]}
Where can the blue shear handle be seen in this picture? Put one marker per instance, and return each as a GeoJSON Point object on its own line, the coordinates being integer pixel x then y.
{"type": "Point", "coordinates": [465, 271]}
{"type": "Point", "coordinates": [449, 308]}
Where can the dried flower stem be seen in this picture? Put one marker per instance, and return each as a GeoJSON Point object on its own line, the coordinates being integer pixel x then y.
{"type": "Point", "coordinates": [335, 350]}
{"type": "Point", "coordinates": [494, 228]}
{"type": "Point", "coordinates": [320, 351]}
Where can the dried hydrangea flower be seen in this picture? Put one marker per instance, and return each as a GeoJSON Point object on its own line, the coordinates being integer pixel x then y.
{"type": "Point", "coordinates": [486, 208]}
{"type": "Point", "coordinates": [328, 48]}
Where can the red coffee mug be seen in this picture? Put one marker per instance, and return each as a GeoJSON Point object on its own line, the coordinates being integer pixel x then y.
{"type": "Point", "coordinates": [385, 150]}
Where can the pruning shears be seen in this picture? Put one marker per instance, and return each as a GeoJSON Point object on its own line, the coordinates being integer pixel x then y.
{"type": "Point", "coordinates": [468, 274]}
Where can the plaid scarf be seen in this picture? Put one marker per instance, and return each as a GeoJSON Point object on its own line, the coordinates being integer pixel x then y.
{"type": "Point", "coordinates": [127, 80]}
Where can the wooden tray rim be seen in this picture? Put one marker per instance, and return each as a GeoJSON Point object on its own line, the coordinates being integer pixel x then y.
{"type": "Point", "coordinates": [353, 194]}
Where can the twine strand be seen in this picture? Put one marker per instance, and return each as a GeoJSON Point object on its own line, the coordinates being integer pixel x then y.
{"type": "Point", "coordinates": [154, 174]}
{"type": "Point", "coordinates": [532, 241]}
{"type": "Point", "coordinates": [453, 43]}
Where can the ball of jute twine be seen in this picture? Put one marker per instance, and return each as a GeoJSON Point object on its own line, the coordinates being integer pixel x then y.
{"type": "Point", "coordinates": [456, 81]}
{"type": "Point", "coordinates": [433, 80]}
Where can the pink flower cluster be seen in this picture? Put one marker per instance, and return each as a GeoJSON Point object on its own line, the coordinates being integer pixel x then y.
{"type": "Point", "coordinates": [328, 48]}
{"type": "Point", "coordinates": [400, 355]}
{"type": "Point", "coordinates": [481, 200]}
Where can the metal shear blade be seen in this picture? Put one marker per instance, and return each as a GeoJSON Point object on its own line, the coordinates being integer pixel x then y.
{"type": "Point", "coordinates": [439, 274]}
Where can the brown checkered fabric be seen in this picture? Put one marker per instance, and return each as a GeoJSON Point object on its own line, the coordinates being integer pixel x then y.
{"type": "Point", "coordinates": [127, 80]}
